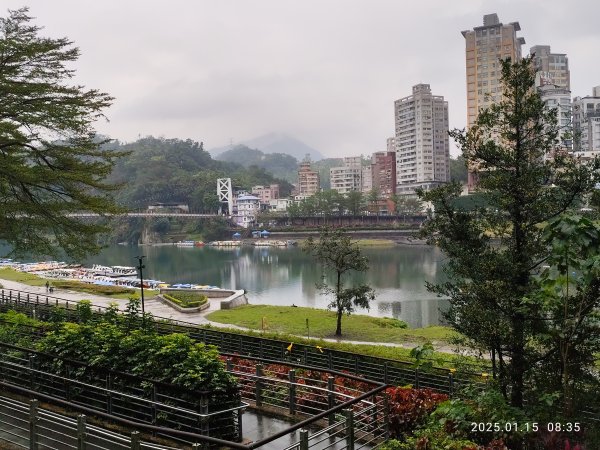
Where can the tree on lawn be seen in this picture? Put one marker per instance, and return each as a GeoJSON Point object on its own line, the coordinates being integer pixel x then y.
{"type": "Point", "coordinates": [355, 202]}
{"type": "Point", "coordinates": [496, 252]}
{"type": "Point", "coordinates": [373, 199]}
{"type": "Point", "coordinates": [52, 165]}
{"type": "Point", "coordinates": [336, 252]}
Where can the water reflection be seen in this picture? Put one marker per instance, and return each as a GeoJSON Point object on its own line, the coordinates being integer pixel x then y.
{"type": "Point", "coordinates": [285, 276]}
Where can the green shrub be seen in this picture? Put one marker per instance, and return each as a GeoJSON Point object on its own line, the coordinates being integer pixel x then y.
{"type": "Point", "coordinates": [434, 441]}
{"type": "Point", "coordinates": [456, 416]}
{"type": "Point", "coordinates": [390, 322]}
{"type": "Point", "coordinates": [173, 358]}
{"type": "Point", "coordinates": [17, 328]}
{"type": "Point", "coordinates": [186, 299]}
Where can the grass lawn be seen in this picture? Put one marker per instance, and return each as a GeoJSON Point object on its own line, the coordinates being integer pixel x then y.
{"type": "Point", "coordinates": [375, 243]}
{"type": "Point", "coordinates": [21, 277]}
{"type": "Point", "coordinates": [322, 323]}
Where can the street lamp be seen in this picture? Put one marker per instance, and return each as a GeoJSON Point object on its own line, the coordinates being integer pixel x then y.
{"type": "Point", "coordinates": [140, 267]}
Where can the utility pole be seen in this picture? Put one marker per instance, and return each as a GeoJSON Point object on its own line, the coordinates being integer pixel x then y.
{"type": "Point", "coordinates": [140, 267]}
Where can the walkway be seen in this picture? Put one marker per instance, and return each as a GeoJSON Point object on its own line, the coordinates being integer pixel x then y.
{"type": "Point", "coordinates": [159, 309]}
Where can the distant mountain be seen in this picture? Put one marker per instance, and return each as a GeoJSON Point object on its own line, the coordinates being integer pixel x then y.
{"type": "Point", "coordinates": [279, 165]}
{"type": "Point", "coordinates": [275, 143]}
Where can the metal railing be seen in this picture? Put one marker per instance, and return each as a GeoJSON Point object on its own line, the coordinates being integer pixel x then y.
{"type": "Point", "coordinates": [31, 427]}
{"type": "Point", "coordinates": [311, 391]}
{"type": "Point", "coordinates": [362, 404]}
{"type": "Point", "coordinates": [382, 370]}
{"type": "Point", "coordinates": [119, 394]}
{"type": "Point", "coordinates": [353, 430]}
{"type": "Point", "coordinates": [386, 371]}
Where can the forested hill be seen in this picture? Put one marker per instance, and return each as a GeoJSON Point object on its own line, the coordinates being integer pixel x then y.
{"type": "Point", "coordinates": [279, 164]}
{"type": "Point", "coordinates": [174, 170]}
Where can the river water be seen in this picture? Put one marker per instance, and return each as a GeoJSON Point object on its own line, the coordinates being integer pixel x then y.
{"type": "Point", "coordinates": [288, 276]}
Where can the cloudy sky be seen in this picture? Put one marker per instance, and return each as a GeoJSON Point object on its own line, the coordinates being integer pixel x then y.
{"type": "Point", "coordinates": [324, 71]}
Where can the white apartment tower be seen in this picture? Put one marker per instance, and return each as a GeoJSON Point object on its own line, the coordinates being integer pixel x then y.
{"type": "Point", "coordinates": [586, 125]}
{"type": "Point", "coordinates": [348, 177]}
{"type": "Point", "coordinates": [559, 99]}
{"type": "Point", "coordinates": [422, 143]}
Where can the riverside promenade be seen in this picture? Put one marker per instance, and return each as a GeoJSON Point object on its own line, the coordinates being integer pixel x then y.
{"type": "Point", "coordinates": [158, 309]}
{"type": "Point", "coordinates": [151, 304]}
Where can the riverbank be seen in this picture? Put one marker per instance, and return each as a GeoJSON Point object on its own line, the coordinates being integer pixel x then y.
{"type": "Point", "coordinates": [321, 324]}
{"type": "Point", "coordinates": [444, 352]}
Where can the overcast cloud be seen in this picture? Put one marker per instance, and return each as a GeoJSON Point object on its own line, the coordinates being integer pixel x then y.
{"type": "Point", "coordinates": [324, 71]}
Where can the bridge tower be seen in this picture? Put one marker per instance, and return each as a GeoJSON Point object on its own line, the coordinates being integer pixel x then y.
{"type": "Point", "coordinates": [225, 194]}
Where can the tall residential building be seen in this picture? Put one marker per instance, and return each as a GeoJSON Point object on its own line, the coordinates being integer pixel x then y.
{"type": "Point", "coordinates": [485, 46]}
{"type": "Point", "coordinates": [347, 178]}
{"type": "Point", "coordinates": [550, 68]}
{"type": "Point", "coordinates": [308, 179]}
{"type": "Point", "coordinates": [391, 144]}
{"type": "Point", "coordinates": [559, 99]}
{"type": "Point", "coordinates": [422, 144]}
{"type": "Point", "coordinates": [367, 179]}
{"type": "Point", "coordinates": [383, 169]}
{"type": "Point", "coordinates": [586, 125]}
{"type": "Point", "coordinates": [352, 161]}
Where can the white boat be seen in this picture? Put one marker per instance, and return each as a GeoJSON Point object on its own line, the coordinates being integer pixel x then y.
{"type": "Point", "coordinates": [114, 271]}
{"type": "Point", "coordinates": [225, 243]}
{"type": "Point", "coordinates": [273, 243]}
{"type": "Point", "coordinates": [185, 243]}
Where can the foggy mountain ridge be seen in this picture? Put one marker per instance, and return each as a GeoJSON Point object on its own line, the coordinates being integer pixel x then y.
{"type": "Point", "coordinates": [274, 143]}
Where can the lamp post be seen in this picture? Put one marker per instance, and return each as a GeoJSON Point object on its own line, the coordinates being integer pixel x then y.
{"type": "Point", "coordinates": [140, 267]}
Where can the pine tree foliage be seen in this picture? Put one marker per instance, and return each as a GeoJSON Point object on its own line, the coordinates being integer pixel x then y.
{"type": "Point", "coordinates": [51, 162]}
{"type": "Point", "coordinates": [495, 252]}
{"type": "Point", "coordinates": [337, 253]}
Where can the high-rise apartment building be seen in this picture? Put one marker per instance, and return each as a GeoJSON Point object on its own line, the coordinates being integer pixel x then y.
{"type": "Point", "coordinates": [347, 178]}
{"type": "Point", "coordinates": [586, 125]}
{"type": "Point", "coordinates": [367, 179]}
{"type": "Point", "coordinates": [485, 46]}
{"type": "Point", "coordinates": [422, 144]}
{"type": "Point", "coordinates": [559, 99]}
{"type": "Point", "coordinates": [550, 68]}
{"type": "Point", "coordinates": [308, 179]}
{"type": "Point", "coordinates": [391, 144]}
{"type": "Point", "coordinates": [352, 161]}
{"type": "Point", "coordinates": [383, 169]}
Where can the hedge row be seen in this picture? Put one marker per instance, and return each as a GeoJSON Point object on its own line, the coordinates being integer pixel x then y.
{"type": "Point", "coordinates": [187, 299]}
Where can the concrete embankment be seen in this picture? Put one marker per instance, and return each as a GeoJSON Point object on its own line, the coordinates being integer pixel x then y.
{"type": "Point", "coordinates": [397, 236]}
